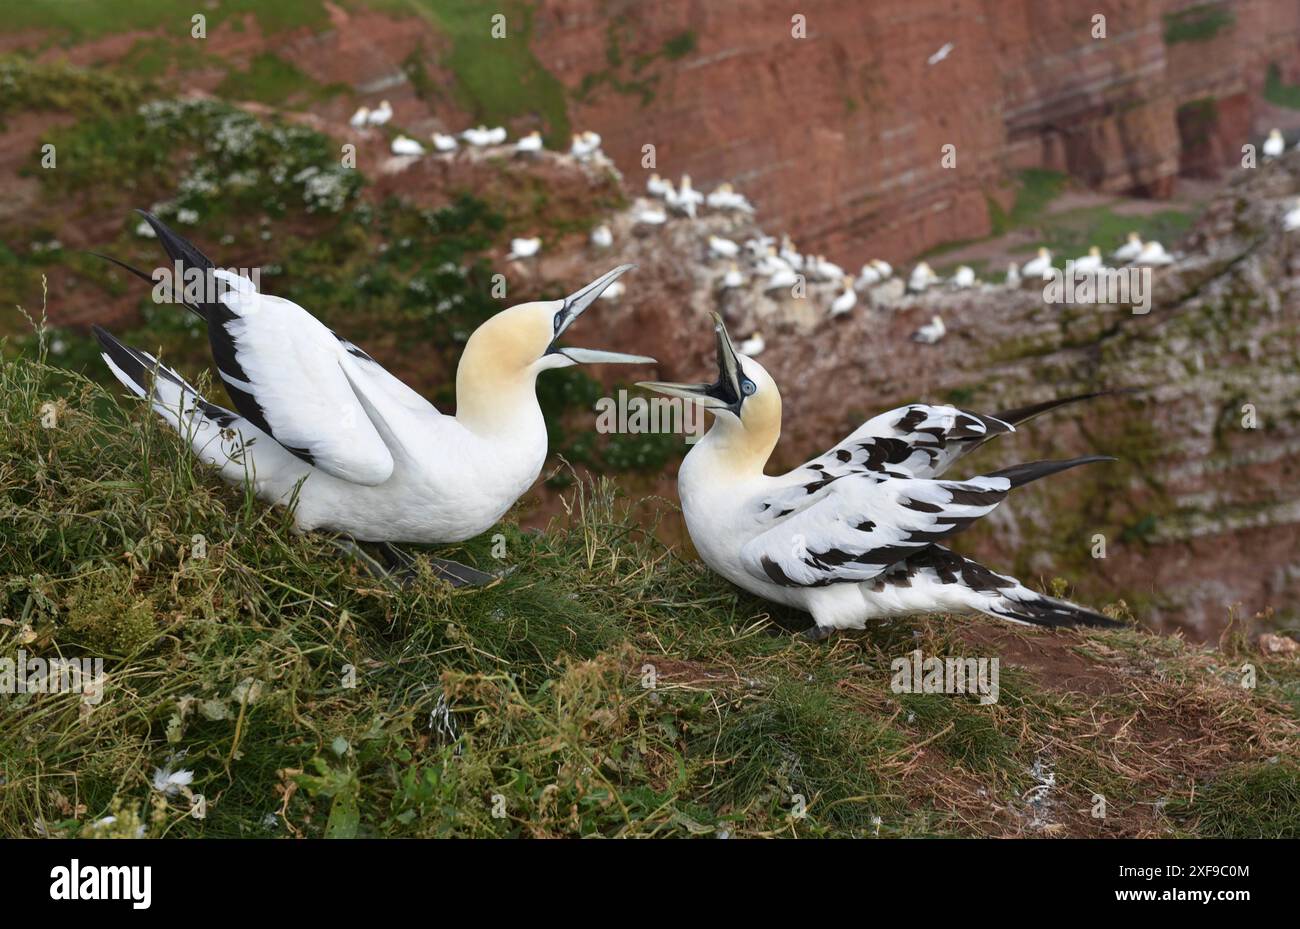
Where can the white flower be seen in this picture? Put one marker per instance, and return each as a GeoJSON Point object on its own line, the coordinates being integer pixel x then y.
{"type": "Point", "coordinates": [169, 782]}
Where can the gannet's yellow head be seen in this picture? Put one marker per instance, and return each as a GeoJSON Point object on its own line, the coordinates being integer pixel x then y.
{"type": "Point", "coordinates": [1094, 251]}
{"type": "Point", "coordinates": [510, 349]}
{"type": "Point", "coordinates": [744, 400]}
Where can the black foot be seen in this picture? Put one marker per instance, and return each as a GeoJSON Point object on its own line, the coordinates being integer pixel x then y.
{"type": "Point", "coordinates": [400, 568]}
{"type": "Point", "coordinates": [817, 633]}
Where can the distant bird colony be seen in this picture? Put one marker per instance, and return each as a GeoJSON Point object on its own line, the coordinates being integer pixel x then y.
{"type": "Point", "coordinates": [761, 262]}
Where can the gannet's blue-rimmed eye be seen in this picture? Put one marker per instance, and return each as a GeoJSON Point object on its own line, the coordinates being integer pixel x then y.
{"type": "Point", "coordinates": [559, 318]}
{"type": "Point", "coordinates": [748, 388]}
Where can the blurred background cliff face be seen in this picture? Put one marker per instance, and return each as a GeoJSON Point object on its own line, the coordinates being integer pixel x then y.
{"type": "Point", "coordinates": [1060, 138]}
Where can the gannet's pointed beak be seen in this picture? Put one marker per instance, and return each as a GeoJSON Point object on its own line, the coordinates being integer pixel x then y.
{"type": "Point", "coordinates": [573, 307]}
{"type": "Point", "coordinates": [727, 392]}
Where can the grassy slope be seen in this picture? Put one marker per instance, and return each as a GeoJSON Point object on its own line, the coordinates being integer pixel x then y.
{"type": "Point", "coordinates": [605, 686]}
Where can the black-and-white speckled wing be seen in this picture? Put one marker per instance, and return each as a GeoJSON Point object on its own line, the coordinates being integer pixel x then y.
{"type": "Point", "coordinates": [853, 527]}
{"type": "Point", "coordinates": [917, 440]}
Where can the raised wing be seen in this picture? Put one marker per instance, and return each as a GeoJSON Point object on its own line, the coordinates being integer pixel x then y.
{"type": "Point", "coordinates": [918, 440]}
{"type": "Point", "coordinates": [318, 395]}
{"type": "Point", "coordinates": [854, 527]}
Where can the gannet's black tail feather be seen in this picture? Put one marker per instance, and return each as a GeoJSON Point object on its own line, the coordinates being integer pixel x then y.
{"type": "Point", "coordinates": [948, 579]}
{"type": "Point", "coordinates": [1022, 474]}
{"type": "Point", "coordinates": [1023, 414]}
{"type": "Point", "coordinates": [174, 398]}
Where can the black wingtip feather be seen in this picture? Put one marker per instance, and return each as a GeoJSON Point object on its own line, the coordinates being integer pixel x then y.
{"type": "Point", "coordinates": [1022, 474]}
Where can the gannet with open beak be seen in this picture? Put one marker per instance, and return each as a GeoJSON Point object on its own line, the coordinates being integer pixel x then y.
{"type": "Point", "coordinates": [853, 534]}
{"type": "Point", "coordinates": [318, 423]}
{"type": "Point", "coordinates": [1274, 145]}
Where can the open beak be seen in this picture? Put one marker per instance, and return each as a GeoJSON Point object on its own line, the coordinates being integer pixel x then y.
{"type": "Point", "coordinates": [573, 307]}
{"type": "Point", "coordinates": [722, 394]}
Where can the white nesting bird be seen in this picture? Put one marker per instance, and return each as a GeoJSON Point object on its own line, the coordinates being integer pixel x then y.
{"type": "Point", "coordinates": [846, 300]}
{"type": "Point", "coordinates": [852, 535]}
{"type": "Point", "coordinates": [478, 136]}
{"type": "Point", "coordinates": [381, 114]}
{"type": "Point", "coordinates": [1153, 253]}
{"type": "Point", "coordinates": [319, 426]}
{"type": "Point", "coordinates": [583, 145]}
{"type": "Point", "coordinates": [404, 146]}
{"type": "Point", "coordinates": [530, 144]}
{"type": "Point", "coordinates": [601, 237]}
{"type": "Point", "coordinates": [944, 51]}
{"type": "Point", "coordinates": [725, 197]}
{"type": "Point", "coordinates": [759, 244]}
{"type": "Point", "coordinates": [789, 254]}
{"type": "Point", "coordinates": [614, 291]}
{"type": "Point", "coordinates": [922, 276]}
{"type": "Point", "coordinates": [650, 216]}
{"type": "Point", "coordinates": [1291, 220]}
{"type": "Point", "coordinates": [1013, 275]}
{"type": "Point", "coordinates": [656, 186]}
{"type": "Point", "coordinates": [1274, 145]}
{"type": "Point", "coordinates": [783, 278]}
{"type": "Point", "coordinates": [931, 332]}
{"type": "Point", "coordinates": [1039, 266]}
{"type": "Point", "coordinates": [754, 345]}
{"type": "Point", "coordinates": [770, 263]}
{"type": "Point", "coordinates": [497, 135]}
{"type": "Point", "coordinates": [360, 118]}
{"type": "Point", "coordinates": [963, 277]}
{"type": "Point", "coordinates": [1131, 248]}
{"type": "Point", "coordinates": [868, 277]}
{"type": "Point", "coordinates": [733, 278]}
{"type": "Point", "coordinates": [524, 248]}
{"type": "Point", "coordinates": [722, 248]}
{"type": "Point", "coordinates": [1089, 263]}
{"type": "Point", "coordinates": [885, 269]}
{"type": "Point", "coordinates": [685, 199]}
{"type": "Point", "coordinates": [825, 270]}
{"type": "Point", "coordinates": [444, 143]}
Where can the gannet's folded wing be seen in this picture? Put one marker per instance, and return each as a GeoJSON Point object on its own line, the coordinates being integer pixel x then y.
{"type": "Point", "coordinates": [854, 527]}
{"type": "Point", "coordinates": [296, 381]}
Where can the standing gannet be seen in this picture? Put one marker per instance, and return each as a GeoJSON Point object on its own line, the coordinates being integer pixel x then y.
{"type": "Point", "coordinates": [922, 276]}
{"type": "Point", "coordinates": [601, 237]}
{"type": "Point", "coordinates": [360, 117]}
{"type": "Point", "coordinates": [931, 332]}
{"type": "Point", "coordinates": [317, 420]}
{"type": "Point", "coordinates": [1153, 253]}
{"type": "Point", "coordinates": [1013, 275]}
{"type": "Point", "coordinates": [381, 114]}
{"type": "Point", "coordinates": [524, 248]}
{"type": "Point", "coordinates": [1274, 145]}
{"type": "Point", "coordinates": [530, 144]}
{"type": "Point", "coordinates": [1038, 266]}
{"type": "Point", "coordinates": [404, 146]}
{"type": "Point", "coordinates": [685, 199]}
{"type": "Point", "coordinates": [1129, 250]}
{"type": "Point", "coordinates": [1291, 220]}
{"type": "Point", "coordinates": [846, 300]}
{"type": "Point", "coordinates": [444, 143]}
{"type": "Point", "coordinates": [868, 277]}
{"type": "Point", "coordinates": [852, 535]}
